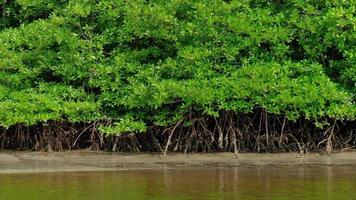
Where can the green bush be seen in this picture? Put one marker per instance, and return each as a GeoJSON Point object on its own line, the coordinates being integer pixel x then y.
{"type": "Point", "coordinates": [137, 63]}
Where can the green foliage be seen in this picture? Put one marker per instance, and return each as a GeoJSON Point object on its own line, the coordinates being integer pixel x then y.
{"type": "Point", "coordinates": [159, 61]}
{"type": "Point", "coordinates": [123, 125]}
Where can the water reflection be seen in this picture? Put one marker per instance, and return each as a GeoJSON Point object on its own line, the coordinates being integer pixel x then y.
{"type": "Point", "coordinates": [260, 183]}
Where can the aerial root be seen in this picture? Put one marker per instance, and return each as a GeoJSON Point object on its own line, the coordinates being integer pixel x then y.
{"type": "Point", "coordinates": [229, 133]}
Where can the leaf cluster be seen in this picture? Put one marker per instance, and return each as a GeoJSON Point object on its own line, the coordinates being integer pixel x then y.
{"type": "Point", "coordinates": [140, 62]}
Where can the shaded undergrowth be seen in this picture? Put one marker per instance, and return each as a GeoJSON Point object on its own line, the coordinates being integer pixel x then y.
{"type": "Point", "coordinates": [255, 132]}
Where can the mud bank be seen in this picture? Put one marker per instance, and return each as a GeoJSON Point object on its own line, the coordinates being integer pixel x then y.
{"type": "Point", "coordinates": [32, 162]}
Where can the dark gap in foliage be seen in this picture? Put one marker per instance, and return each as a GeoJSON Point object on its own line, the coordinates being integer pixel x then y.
{"type": "Point", "coordinates": [55, 47]}
{"type": "Point", "coordinates": [111, 109]}
{"type": "Point", "coordinates": [242, 54]}
{"type": "Point", "coordinates": [41, 14]}
{"type": "Point", "coordinates": [279, 2]}
{"type": "Point", "coordinates": [9, 11]}
{"type": "Point", "coordinates": [227, 1]}
{"type": "Point", "coordinates": [244, 35]}
{"type": "Point", "coordinates": [297, 52]}
{"type": "Point", "coordinates": [11, 70]}
{"type": "Point", "coordinates": [152, 50]}
{"type": "Point", "coordinates": [92, 90]}
{"type": "Point", "coordinates": [332, 54]}
{"type": "Point", "coordinates": [173, 104]}
{"type": "Point", "coordinates": [48, 75]}
{"type": "Point", "coordinates": [185, 12]}
{"type": "Point", "coordinates": [29, 62]}
{"type": "Point", "coordinates": [109, 48]}
{"type": "Point", "coordinates": [77, 82]}
{"type": "Point", "coordinates": [13, 14]}
{"type": "Point", "coordinates": [22, 48]}
{"type": "Point", "coordinates": [266, 46]}
{"type": "Point", "coordinates": [347, 28]}
{"type": "Point", "coordinates": [139, 42]}
{"type": "Point", "coordinates": [259, 3]}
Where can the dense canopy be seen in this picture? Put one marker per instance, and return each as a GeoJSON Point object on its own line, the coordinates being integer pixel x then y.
{"type": "Point", "coordinates": [141, 63]}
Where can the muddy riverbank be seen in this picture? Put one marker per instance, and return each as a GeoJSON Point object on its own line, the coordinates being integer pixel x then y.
{"type": "Point", "coordinates": [31, 162]}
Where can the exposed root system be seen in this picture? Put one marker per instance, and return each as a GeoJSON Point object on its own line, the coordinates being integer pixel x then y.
{"type": "Point", "coordinates": [228, 133]}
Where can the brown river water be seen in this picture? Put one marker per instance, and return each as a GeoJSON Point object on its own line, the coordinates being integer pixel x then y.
{"type": "Point", "coordinates": [187, 183]}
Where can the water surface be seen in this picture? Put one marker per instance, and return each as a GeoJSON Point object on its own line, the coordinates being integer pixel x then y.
{"type": "Point", "coordinates": [243, 183]}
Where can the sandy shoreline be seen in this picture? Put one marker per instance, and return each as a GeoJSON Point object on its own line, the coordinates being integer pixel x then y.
{"type": "Point", "coordinates": [33, 162]}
